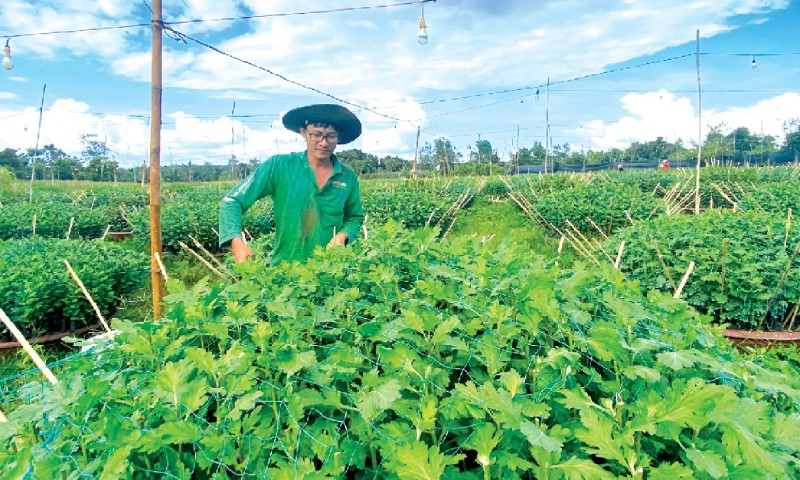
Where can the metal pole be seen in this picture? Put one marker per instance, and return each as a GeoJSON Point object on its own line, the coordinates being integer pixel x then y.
{"type": "Point", "coordinates": [416, 152]}
{"type": "Point", "coordinates": [36, 148]}
{"type": "Point", "coordinates": [699, 130]}
{"type": "Point", "coordinates": [547, 127]}
{"type": "Point", "coordinates": [155, 161]}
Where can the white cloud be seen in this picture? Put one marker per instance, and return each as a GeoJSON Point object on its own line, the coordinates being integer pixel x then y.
{"type": "Point", "coordinates": [663, 114]}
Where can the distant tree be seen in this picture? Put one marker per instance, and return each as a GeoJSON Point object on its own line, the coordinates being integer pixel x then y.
{"type": "Point", "coordinates": [791, 130]}
{"type": "Point", "coordinates": [14, 163]}
{"type": "Point", "coordinates": [444, 155]}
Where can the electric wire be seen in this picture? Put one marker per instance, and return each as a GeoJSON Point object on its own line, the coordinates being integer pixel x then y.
{"type": "Point", "coordinates": [222, 19]}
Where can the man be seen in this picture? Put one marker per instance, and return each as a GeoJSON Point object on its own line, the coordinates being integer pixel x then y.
{"type": "Point", "coordinates": [316, 199]}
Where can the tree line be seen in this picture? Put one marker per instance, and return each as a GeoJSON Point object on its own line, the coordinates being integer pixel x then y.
{"type": "Point", "coordinates": [96, 162]}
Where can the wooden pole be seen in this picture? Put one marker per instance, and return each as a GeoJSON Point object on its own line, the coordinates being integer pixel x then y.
{"type": "Point", "coordinates": [27, 347]}
{"type": "Point", "coordinates": [699, 130]}
{"type": "Point", "coordinates": [155, 161]}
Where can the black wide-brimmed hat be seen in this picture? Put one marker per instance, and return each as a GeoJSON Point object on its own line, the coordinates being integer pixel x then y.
{"type": "Point", "coordinates": [343, 120]}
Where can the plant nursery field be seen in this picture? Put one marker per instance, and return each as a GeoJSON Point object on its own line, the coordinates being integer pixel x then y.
{"type": "Point", "coordinates": [522, 327]}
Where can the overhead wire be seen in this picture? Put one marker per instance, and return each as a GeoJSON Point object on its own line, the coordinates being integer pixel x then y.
{"type": "Point", "coordinates": [221, 19]}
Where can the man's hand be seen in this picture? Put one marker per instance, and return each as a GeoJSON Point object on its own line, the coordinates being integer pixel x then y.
{"type": "Point", "coordinates": [241, 251]}
{"type": "Point", "coordinates": [339, 239]}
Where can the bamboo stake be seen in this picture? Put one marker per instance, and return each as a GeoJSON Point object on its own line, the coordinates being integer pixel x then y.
{"type": "Point", "coordinates": [88, 297]}
{"type": "Point", "coordinates": [597, 228]}
{"type": "Point", "coordinates": [108, 228]}
{"type": "Point", "coordinates": [161, 266]}
{"type": "Point", "coordinates": [599, 246]}
{"type": "Point", "coordinates": [204, 250]}
{"type": "Point", "coordinates": [725, 196]}
{"type": "Point", "coordinates": [722, 268]}
{"type": "Point", "coordinates": [202, 260]}
{"type": "Point", "coordinates": [27, 347]}
{"type": "Point", "coordinates": [69, 229]}
{"type": "Point", "coordinates": [663, 264]}
{"type": "Point", "coordinates": [781, 282]}
{"type": "Point", "coordinates": [684, 280]}
{"type": "Point", "coordinates": [619, 254]}
{"type": "Point", "coordinates": [788, 227]}
{"type": "Point", "coordinates": [628, 215]}
{"type": "Point", "coordinates": [451, 226]}
{"type": "Point", "coordinates": [34, 227]}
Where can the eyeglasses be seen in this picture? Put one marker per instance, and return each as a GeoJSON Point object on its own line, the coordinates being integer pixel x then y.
{"type": "Point", "coordinates": [332, 137]}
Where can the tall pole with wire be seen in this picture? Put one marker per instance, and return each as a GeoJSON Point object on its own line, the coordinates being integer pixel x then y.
{"type": "Point", "coordinates": [36, 148]}
{"type": "Point", "coordinates": [155, 162]}
{"type": "Point", "coordinates": [699, 130]}
{"type": "Point", "coordinates": [547, 127]}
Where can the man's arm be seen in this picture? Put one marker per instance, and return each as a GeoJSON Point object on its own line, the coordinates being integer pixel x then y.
{"type": "Point", "coordinates": [257, 185]}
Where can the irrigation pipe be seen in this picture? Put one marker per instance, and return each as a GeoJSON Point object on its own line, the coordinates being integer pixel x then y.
{"type": "Point", "coordinates": [27, 347]}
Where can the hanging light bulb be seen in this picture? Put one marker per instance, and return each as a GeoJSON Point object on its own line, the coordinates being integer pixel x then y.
{"type": "Point", "coordinates": [8, 64]}
{"type": "Point", "coordinates": [422, 38]}
{"type": "Point", "coordinates": [753, 64]}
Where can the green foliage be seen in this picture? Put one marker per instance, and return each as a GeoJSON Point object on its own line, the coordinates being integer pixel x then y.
{"type": "Point", "coordinates": [745, 266]}
{"type": "Point", "coordinates": [407, 357]}
{"type": "Point", "coordinates": [39, 295]}
{"type": "Point", "coordinates": [415, 203]}
{"type": "Point", "coordinates": [6, 177]}
{"type": "Point", "coordinates": [609, 205]}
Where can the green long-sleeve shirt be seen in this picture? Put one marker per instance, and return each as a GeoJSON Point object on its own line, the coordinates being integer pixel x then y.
{"type": "Point", "coordinates": [305, 215]}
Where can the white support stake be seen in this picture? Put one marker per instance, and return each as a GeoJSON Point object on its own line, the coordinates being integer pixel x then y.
{"type": "Point", "coordinates": [684, 280]}
{"type": "Point", "coordinates": [619, 254]}
{"type": "Point", "coordinates": [2, 417]}
{"type": "Point", "coordinates": [161, 265]}
{"type": "Point", "coordinates": [88, 297]}
{"type": "Point", "coordinates": [27, 347]}
{"type": "Point", "coordinates": [69, 229]}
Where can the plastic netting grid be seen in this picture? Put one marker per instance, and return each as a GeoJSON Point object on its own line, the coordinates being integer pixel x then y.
{"type": "Point", "coordinates": [31, 392]}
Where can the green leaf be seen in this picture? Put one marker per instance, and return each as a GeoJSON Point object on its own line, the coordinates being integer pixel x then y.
{"type": "Point", "coordinates": [645, 373]}
{"type": "Point", "coordinates": [484, 440]}
{"type": "Point", "coordinates": [669, 471]}
{"type": "Point", "coordinates": [116, 464]}
{"type": "Point", "coordinates": [243, 404]}
{"type": "Point", "coordinates": [708, 462]}
{"type": "Point", "coordinates": [675, 360]}
{"type": "Point", "coordinates": [178, 432]}
{"type": "Point", "coordinates": [583, 469]}
{"type": "Point", "coordinates": [787, 431]}
{"type": "Point", "coordinates": [416, 461]}
{"type": "Point", "coordinates": [375, 401]}
{"type": "Point", "coordinates": [598, 431]}
{"type": "Point", "coordinates": [538, 438]}
{"type": "Point", "coordinates": [291, 362]}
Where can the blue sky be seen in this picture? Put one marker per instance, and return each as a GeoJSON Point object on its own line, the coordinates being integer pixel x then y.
{"type": "Point", "coordinates": [476, 77]}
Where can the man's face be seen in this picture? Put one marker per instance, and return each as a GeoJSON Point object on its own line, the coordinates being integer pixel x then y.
{"type": "Point", "coordinates": [320, 140]}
